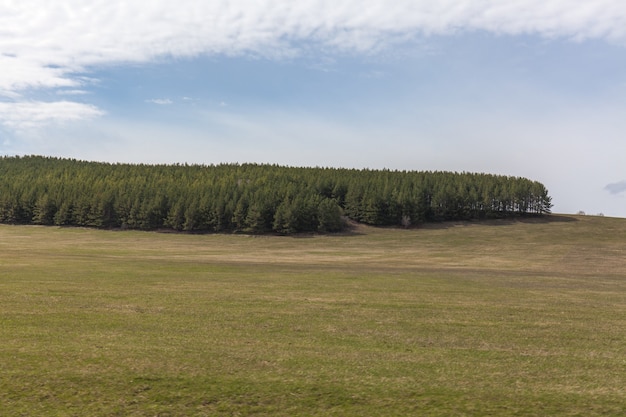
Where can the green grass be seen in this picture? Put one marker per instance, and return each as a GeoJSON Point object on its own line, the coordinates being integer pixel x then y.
{"type": "Point", "coordinates": [507, 318]}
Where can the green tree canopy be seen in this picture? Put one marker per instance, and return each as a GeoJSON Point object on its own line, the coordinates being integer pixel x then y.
{"type": "Point", "coordinates": [251, 198]}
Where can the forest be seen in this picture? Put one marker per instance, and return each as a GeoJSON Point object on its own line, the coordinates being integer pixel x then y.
{"type": "Point", "coordinates": [251, 198]}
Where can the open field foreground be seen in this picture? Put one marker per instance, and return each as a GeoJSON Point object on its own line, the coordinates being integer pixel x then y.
{"type": "Point", "coordinates": [504, 318]}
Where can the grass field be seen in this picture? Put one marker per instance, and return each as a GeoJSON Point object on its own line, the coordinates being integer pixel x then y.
{"type": "Point", "coordinates": [503, 318]}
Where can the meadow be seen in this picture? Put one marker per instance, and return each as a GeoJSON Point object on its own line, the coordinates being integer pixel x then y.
{"type": "Point", "coordinates": [506, 318]}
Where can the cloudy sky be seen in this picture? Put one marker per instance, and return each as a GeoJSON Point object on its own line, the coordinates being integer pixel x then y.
{"type": "Point", "coordinates": [532, 88]}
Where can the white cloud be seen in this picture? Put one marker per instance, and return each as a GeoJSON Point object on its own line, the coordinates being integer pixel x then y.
{"type": "Point", "coordinates": [33, 114]}
{"type": "Point", "coordinates": [160, 101]}
{"type": "Point", "coordinates": [72, 92]}
{"type": "Point", "coordinates": [47, 44]}
{"type": "Point", "coordinates": [44, 42]}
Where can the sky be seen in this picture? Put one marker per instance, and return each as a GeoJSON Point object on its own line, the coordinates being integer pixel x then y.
{"type": "Point", "coordinates": [529, 88]}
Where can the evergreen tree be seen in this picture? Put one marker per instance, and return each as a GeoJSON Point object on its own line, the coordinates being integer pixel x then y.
{"type": "Point", "coordinates": [329, 216]}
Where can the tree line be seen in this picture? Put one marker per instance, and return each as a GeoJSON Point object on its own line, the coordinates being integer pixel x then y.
{"type": "Point", "coordinates": [250, 198]}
